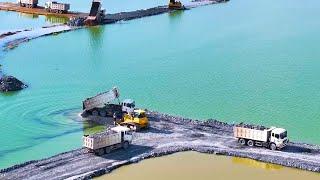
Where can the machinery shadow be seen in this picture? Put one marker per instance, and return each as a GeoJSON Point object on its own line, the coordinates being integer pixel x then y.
{"type": "Point", "coordinates": [125, 154]}
{"type": "Point", "coordinates": [156, 130]}
{"type": "Point", "coordinates": [297, 149]}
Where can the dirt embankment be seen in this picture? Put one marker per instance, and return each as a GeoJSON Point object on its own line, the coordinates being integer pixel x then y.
{"type": "Point", "coordinates": [167, 134]}
{"type": "Point", "coordinates": [125, 16]}
{"type": "Point", "coordinates": [10, 40]}
{"type": "Point", "coordinates": [39, 10]}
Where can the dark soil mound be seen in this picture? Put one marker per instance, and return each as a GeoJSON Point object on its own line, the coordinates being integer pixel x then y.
{"type": "Point", "coordinates": [10, 83]}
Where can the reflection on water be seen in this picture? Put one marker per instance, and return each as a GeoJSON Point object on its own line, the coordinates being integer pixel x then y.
{"type": "Point", "coordinates": [175, 14]}
{"type": "Point", "coordinates": [49, 18]}
{"type": "Point", "coordinates": [255, 164]}
{"type": "Point", "coordinates": [56, 20]}
{"type": "Point", "coordinates": [30, 16]}
{"type": "Point", "coordinates": [175, 17]}
{"type": "Point", "coordinates": [95, 34]}
{"type": "Point", "coordinates": [192, 165]}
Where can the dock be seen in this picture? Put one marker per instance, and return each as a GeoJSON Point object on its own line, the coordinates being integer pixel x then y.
{"type": "Point", "coordinates": [39, 10]}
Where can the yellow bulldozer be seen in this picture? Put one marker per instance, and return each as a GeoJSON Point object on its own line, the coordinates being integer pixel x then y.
{"type": "Point", "coordinates": [176, 5]}
{"type": "Point", "coordinates": [136, 120]}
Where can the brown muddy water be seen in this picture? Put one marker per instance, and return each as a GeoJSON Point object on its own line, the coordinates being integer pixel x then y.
{"type": "Point", "coordinates": [193, 165]}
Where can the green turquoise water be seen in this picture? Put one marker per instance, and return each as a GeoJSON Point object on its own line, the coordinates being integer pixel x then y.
{"type": "Point", "coordinates": [17, 21]}
{"type": "Point", "coordinates": [252, 61]}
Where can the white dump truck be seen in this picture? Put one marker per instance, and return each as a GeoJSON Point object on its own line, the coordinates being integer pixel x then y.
{"type": "Point", "coordinates": [103, 104]}
{"type": "Point", "coordinates": [55, 7]}
{"type": "Point", "coordinates": [273, 138]}
{"type": "Point", "coordinates": [28, 3]}
{"type": "Point", "coordinates": [105, 142]}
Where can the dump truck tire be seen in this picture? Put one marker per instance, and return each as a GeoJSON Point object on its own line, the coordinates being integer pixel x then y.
{"type": "Point", "coordinates": [99, 152]}
{"type": "Point", "coordinates": [103, 113]}
{"type": "Point", "coordinates": [95, 113]}
{"type": "Point", "coordinates": [273, 147]}
{"type": "Point", "coordinates": [250, 143]}
{"type": "Point", "coordinates": [147, 126]}
{"type": "Point", "coordinates": [137, 127]}
{"type": "Point", "coordinates": [108, 150]}
{"type": "Point", "coordinates": [242, 142]}
{"type": "Point", "coordinates": [125, 145]}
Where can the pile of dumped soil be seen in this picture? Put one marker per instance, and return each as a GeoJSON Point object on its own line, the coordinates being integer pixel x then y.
{"type": "Point", "coordinates": [10, 83]}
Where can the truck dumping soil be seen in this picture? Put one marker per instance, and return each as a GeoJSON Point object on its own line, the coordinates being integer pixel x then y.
{"type": "Point", "coordinates": [166, 135]}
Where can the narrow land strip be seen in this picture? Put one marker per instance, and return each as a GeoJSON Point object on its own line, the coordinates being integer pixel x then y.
{"type": "Point", "coordinates": [39, 10]}
{"type": "Point", "coordinates": [166, 135]}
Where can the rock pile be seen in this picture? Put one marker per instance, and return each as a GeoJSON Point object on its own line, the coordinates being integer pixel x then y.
{"type": "Point", "coordinates": [76, 22]}
{"type": "Point", "coordinates": [10, 83]}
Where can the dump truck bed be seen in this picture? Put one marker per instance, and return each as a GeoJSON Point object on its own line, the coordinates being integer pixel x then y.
{"type": "Point", "coordinates": [29, 1]}
{"type": "Point", "coordinates": [94, 8]}
{"type": "Point", "coordinates": [101, 140]}
{"type": "Point", "coordinates": [101, 99]}
{"type": "Point", "coordinates": [60, 6]}
{"type": "Point", "coordinates": [249, 133]}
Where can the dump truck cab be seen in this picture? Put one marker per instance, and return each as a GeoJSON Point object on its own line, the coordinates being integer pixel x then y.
{"type": "Point", "coordinates": [279, 137]}
{"type": "Point", "coordinates": [136, 120]}
{"type": "Point", "coordinates": [126, 133]}
{"type": "Point", "coordinates": [128, 105]}
{"type": "Point", "coordinates": [47, 4]}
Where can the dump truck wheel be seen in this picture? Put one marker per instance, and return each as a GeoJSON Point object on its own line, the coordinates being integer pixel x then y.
{"type": "Point", "coordinates": [147, 126]}
{"type": "Point", "coordinates": [125, 145]}
{"type": "Point", "coordinates": [108, 150]}
{"type": "Point", "coordinates": [137, 127]}
{"type": "Point", "coordinates": [242, 142]}
{"type": "Point", "coordinates": [250, 143]}
{"type": "Point", "coordinates": [273, 147]}
{"type": "Point", "coordinates": [103, 113]}
{"type": "Point", "coordinates": [95, 113]}
{"type": "Point", "coordinates": [132, 127]}
{"type": "Point", "coordinates": [99, 152]}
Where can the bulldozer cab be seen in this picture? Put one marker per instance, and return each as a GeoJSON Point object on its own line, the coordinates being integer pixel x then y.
{"type": "Point", "coordinates": [139, 114]}
{"type": "Point", "coordinates": [138, 119]}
